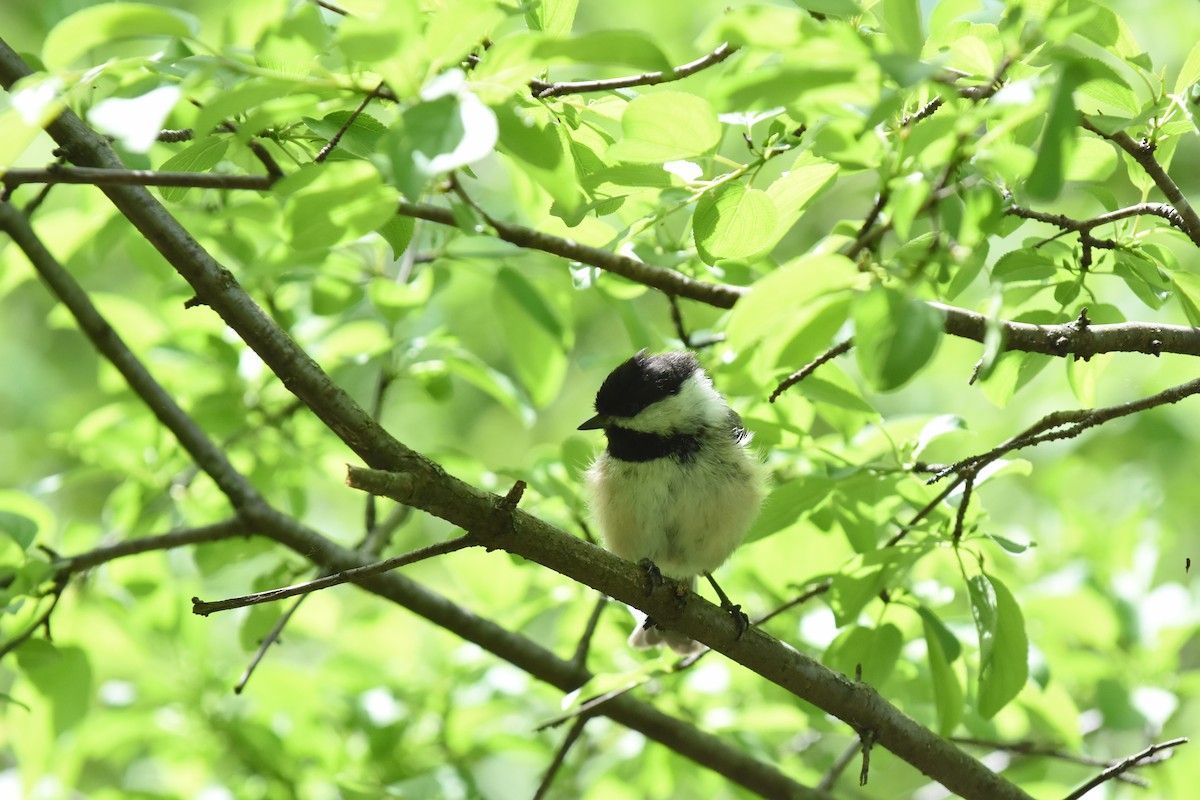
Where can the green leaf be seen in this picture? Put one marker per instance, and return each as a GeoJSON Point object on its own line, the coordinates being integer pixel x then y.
{"type": "Point", "coordinates": [360, 133]}
{"type": "Point", "coordinates": [775, 298]}
{"type": "Point", "coordinates": [106, 23]}
{"type": "Point", "coordinates": [866, 575]}
{"type": "Point", "coordinates": [792, 191]}
{"type": "Point", "coordinates": [62, 675]}
{"type": "Point", "coordinates": [733, 222]}
{"type": "Point", "coordinates": [199, 156]}
{"type": "Point", "coordinates": [1189, 73]}
{"type": "Point", "coordinates": [788, 503]}
{"type": "Point", "coordinates": [1023, 265]}
{"type": "Point", "coordinates": [1144, 278]}
{"type": "Point", "coordinates": [902, 23]}
{"type": "Point", "coordinates": [666, 126]}
{"type": "Point", "coordinates": [539, 147]}
{"type": "Point", "coordinates": [837, 8]}
{"type": "Point", "coordinates": [535, 336]}
{"type": "Point", "coordinates": [398, 232]}
{"type": "Point", "coordinates": [773, 27]}
{"type": "Point", "coordinates": [18, 527]}
{"type": "Point", "coordinates": [242, 98]}
{"type": "Point", "coordinates": [942, 649]}
{"type": "Point", "coordinates": [895, 336]}
{"type": "Point", "coordinates": [1187, 292]}
{"type": "Point", "coordinates": [936, 428]}
{"type": "Point", "coordinates": [1058, 137]}
{"type": "Point", "coordinates": [472, 369]}
{"type": "Point", "coordinates": [620, 48]}
{"type": "Point", "coordinates": [876, 650]}
{"type": "Point", "coordinates": [555, 17]}
{"type": "Point", "coordinates": [1003, 644]}
{"type": "Point", "coordinates": [393, 299]}
{"type": "Point", "coordinates": [950, 646]}
{"type": "Point", "coordinates": [340, 201]}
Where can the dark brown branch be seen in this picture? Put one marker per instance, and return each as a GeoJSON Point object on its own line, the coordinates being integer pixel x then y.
{"type": "Point", "coordinates": [1067, 425]}
{"type": "Point", "coordinates": [810, 368]}
{"type": "Point", "coordinates": [975, 93]}
{"type": "Point", "coordinates": [560, 757]}
{"type": "Point", "coordinates": [352, 575]}
{"type": "Point", "coordinates": [135, 177]}
{"type": "Point", "coordinates": [1070, 339]}
{"type": "Point", "coordinates": [665, 280]}
{"type": "Point", "coordinates": [857, 704]}
{"type": "Point", "coordinates": [543, 90]}
{"type": "Point", "coordinates": [216, 532]}
{"type": "Point", "coordinates": [1084, 227]}
{"type": "Point", "coordinates": [1041, 750]}
{"type": "Point", "coordinates": [337, 137]}
{"type": "Point", "coordinates": [1148, 756]}
{"type": "Point", "coordinates": [1143, 153]}
{"type": "Point", "coordinates": [589, 630]}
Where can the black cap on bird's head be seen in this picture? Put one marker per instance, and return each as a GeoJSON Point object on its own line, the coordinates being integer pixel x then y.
{"type": "Point", "coordinates": [639, 383]}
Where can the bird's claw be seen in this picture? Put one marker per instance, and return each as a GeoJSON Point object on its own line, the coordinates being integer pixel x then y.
{"type": "Point", "coordinates": [740, 620]}
{"type": "Point", "coordinates": [654, 576]}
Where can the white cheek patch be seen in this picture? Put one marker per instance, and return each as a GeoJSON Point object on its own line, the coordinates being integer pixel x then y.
{"type": "Point", "coordinates": [696, 405]}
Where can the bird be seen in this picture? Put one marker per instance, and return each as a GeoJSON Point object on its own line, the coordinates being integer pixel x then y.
{"type": "Point", "coordinates": [677, 486]}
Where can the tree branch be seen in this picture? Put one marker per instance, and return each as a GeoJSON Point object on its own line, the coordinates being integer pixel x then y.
{"type": "Point", "coordinates": [857, 704]}
{"type": "Point", "coordinates": [135, 177]}
{"type": "Point", "coordinates": [1070, 338]}
{"type": "Point", "coordinates": [109, 343]}
{"type": "Point", "coordinates": [1084, 227]}
{"type": "Point", "coordinates": [354, 574]}
{"type": "Point", "coordinates": [665, 280]}
{"type": "Point", "coordinates": [1143, 153]}
{"type": "Point", "coordinates": [543, 90]}
{"type": "Point", "coordinates": [1066, 425]}
{"type": "Point", "coordinates": [1147, 756]}
{"type": "Point", "coordinates": [216, 532]}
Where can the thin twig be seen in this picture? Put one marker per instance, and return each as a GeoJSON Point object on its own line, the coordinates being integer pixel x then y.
{"type": "Point", "coordinates": [204, 608]}
{"type": "Point", "coordinates": [1143, 153]}
{"type": "Point", "coordinates": [1042, 750]}
{"type": "Point", "coordinates": [589, 630]}
{"type": "Point", "coordinates": [1147, 756]}
{"type": "Point", "coordinates": [1067, 425]}
{"type": "Point", "coordinates": [135, 177]}
{"type": "Point", "coordinates": [1084, 227]}
{"type": "Point", "coordinates": [830, 778]}
{"type": "Point", "coordinates": [810, 368]}
{"type": "Point", "coordinates": [559, 757]}
{"type": "Point", "coordinates": [337, 137]}
{"type": "Point", "coordinates": [543, 90]}
{"type": "Point", "coordinates": [265, 645]}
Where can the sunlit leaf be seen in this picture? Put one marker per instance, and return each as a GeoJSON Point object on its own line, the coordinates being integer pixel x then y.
{"type": "Point", "coordinates": [106, 23]}
{"type": "Point", "coordinates": [733, 222]}
{"type": "Point", "coordinates": [666, 126]}
{"type": "Point", "coordinates": [1003, 644]}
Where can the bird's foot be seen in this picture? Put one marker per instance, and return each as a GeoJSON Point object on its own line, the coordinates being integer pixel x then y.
{"type": "Point", "coordinates": [654, 576]}
{"type": "Point", "coordinates": [740, 621]}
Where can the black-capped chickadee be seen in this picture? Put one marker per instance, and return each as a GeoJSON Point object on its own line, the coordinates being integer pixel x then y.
{"type": "Point", "coordinates": [677, 488]}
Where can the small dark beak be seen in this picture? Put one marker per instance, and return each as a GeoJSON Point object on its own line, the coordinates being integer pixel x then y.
{"type": "Point", "coordinates": [595, 423]}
